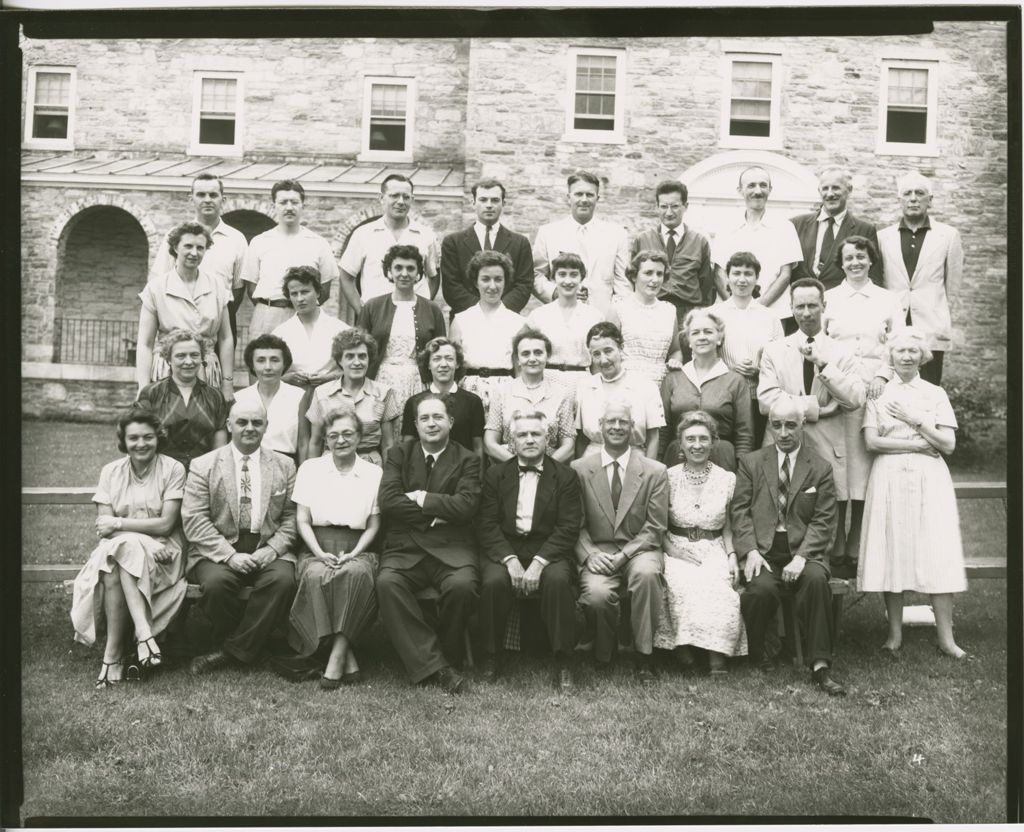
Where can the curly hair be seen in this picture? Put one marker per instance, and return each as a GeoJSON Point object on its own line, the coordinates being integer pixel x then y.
{"type": "Point", "coordinates": [176, 336]}
{"type": "Point", "coordinates": [696, 417]}
{"type": "Point", "coordinates": [349, 413]}
{"type": "Point", "coordinates": [489, 258]}
{"type": "Point", "coordinates": [180, 231]}
{"type": "Point", "coordinates": [403, 252]}
{"type": "Point", "coordinates": [266, 341]}
{"type": "Point", "coordinates": [351, 338]}
{"type": "Point", "coordinates": [141, 415]}
{"type": "Point", "coordinates": [432, 346]}
{"type": "Point", "coordinates": [309, 275]}
{"type": "Point", "coordinates": [642, 257]}
{"type": "Point", "coordinates": [702, 312]}
{"type": "Point", "coordinates": [860, 244]}
{"type": "Point", "coordinates": [908, 333]}
{"type": "Point", "coordinates": [605, 329]}
{"type": "Point", "coordinates": [528, 333]}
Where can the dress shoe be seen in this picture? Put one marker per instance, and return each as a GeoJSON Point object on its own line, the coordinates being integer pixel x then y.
{"type": "Point", "coordinates": [354, 678]}
{"type": "Point", "coordinates": [766, 665]}
{"type": "Point", "coordinates": [209, 661]}
{"type": "Point", "coordinates": [845, 568]}
{"type": "Point", "coordinates": [450, 680]}
{"type": "Point", "coordinates": [717, 664]}
{"type": "Point", "coordinates": [564, 680]}
{"type": "Point", "coordinates": [823, 679]}
{"type": "Point", "coordinates": [295, 669]}
{"type": "Point", "coordinates": [644, 670]}
{"type": "Point", "coordinates": [890, 653]}
{"type": "Point", "coordinates": [326, 683]}
{"type": "Point", "coordinates": [489, 669]}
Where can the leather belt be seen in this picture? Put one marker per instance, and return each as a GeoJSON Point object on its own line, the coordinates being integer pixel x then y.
{"type": "Point", "coordinates": [277, 304]}
{"type": "Point", "coordinates": [567, 367]}
{"type": "Point", "coordinates": [486, 372]}
{"type": "Point", "coordinates": [693, 533]}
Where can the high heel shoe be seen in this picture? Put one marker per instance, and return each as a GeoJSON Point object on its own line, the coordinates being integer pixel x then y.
{"type": "Point", "coordinates": [154, 659]}
{"type": "Point", "coordinates": [103, 682]}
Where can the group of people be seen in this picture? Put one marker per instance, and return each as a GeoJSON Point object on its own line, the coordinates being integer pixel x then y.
{"type": "Point", "coordinates": [599, 450]}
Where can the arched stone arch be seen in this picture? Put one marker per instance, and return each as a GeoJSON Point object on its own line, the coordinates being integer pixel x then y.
{"type": "Point", "coordinates": [71, 211]}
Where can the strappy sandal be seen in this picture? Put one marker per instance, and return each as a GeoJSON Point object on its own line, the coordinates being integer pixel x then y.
{"type": "Point", "coordinates": [154, 659]}
{"type": "Point", "coordinates": [102, 683]}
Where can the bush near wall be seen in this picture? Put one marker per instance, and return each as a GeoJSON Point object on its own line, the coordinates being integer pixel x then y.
{"type": "Point", "coordinates": [980, 409]}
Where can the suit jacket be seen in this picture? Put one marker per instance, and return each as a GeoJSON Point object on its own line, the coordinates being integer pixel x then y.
{"type": "Point", "coordinates": [378, 314]}
{"type": "Point", "coordinates": [810, 510]}
{"type": "Point", "coordinates": [459, 247]}
{"type": "Point", "coordinates": [691, 274]}
{"type": "Point", "coordinates": [453, 495]}
{"type": "Point", "coordinates": [209, 511]}
{"type": "Point", "coordinates": [938, 273]}
{"type": "Point", "coordinates": [556, 513]}
{"type": "Point", "coordinates": [642, 517]}
{"type": "Point", "coordinates": [806, 226]}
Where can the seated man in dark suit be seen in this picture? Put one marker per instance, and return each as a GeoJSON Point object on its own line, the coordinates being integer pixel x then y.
{"type": "Point", "coordinates": [527, 527]}
{"type": "Point", "coordinates": [428, 500]}
{"type": "Point", "coordinates": [625, 510]}
{"type": "Point", "coordinates": [239, 520]}
{"type": "Point", "coordinates": [783, 521]}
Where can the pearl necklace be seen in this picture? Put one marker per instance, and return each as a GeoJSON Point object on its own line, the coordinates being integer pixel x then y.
{"type": "Point", "coordinates": [697, 477]}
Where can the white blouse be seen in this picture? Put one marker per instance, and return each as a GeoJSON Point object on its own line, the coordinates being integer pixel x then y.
{"type": "Point", "coordinates": [486, 338]}
{"type": "Point", "coordinates": [336, 499]}
{"type": "Point", "coordinates": [282, 415]}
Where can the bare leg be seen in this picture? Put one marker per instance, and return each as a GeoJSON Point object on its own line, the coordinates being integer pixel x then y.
{"type": "Point", "coordinates": [138, 609]}
{"type": "Point", "coordinates": [894, 609]}
{"type": "Point", "coordinates": [336, 661]}
{"type": "Point", "coordinates": [351, 665]}
{"type": "Point", "coordinates": [943, 606]}
{"type": "Point", "coordinates": [117, 624]}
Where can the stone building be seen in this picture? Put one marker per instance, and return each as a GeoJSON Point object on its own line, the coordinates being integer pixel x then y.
{"type": "Point", "coordinates": [114, 131]}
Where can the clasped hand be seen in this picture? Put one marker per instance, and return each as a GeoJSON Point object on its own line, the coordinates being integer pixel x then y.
{"type": "Point", "coordinates": [524, 581]}
{"type": "Point", "coordinates": [603, 563]}
{"type": "Point", "coordinates": [245, 564]}
{"type": "Point", "coordinates": [105, 525]}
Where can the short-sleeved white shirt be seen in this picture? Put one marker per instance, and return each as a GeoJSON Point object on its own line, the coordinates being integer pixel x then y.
{"type": "Point", "coordinates": [368, 245]}
{"type": "Point", "coordinates": [486, 337]}
{"type": "Point", "coordinates": [311, 352]}
{"type": "Point", "coordinates": [273, 252]}
{"type": "Point", "coordinates": [336, 499]}
{"type": "Point", "coordinates": [644, 396]}
{"type": "Point", "coordinates": [282, 415]}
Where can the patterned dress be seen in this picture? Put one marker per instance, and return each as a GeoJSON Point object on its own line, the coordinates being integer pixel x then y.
{"type": "Point", "coordinates": [703, 610]}
{"type": "Point", "coordinates": [648, 334]}
{"type": "Point", "coordinates": [190, 427]}
{"type": "Point", "coordinates": [398, 368]}
{"type": "Point", "coordinates": [374, 404]}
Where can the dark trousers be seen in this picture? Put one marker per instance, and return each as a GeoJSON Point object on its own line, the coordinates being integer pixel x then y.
{"type": "Point", "coordinates": [812, 600]}
{"type": "Point", "coordinates": [422, 651]}
{"type": "Point", "coordinates": [557, 604]}
{"type": "Point", "coordinates": [242, 626]}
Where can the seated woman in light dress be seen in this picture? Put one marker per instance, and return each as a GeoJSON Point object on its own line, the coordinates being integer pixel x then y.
{"type": "Point", "coordinates": [648, 325]}
{"type": "Point", "coordinates": [703, 607]}
{"type": "Point", "coordinates": [134, 580]}
{"type": "Point", "coordinates": [268, 358]}
{"type": "Point", "coordinates": [911, 534]}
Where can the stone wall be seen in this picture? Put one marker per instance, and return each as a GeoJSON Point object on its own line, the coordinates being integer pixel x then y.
{"type": "Point", "coordinates": [76, 400]}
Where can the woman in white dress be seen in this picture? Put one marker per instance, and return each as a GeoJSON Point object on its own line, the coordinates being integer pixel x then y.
{"type": "Point", "coordinates": [134, 580]}
{"type": "Point", "coordinates": [309, 332]}
{"type": "Point", "coordinates": [485, 330]}
{"type": "Point", "coordinates": [268, 359]}
{"type": "Point", "coordinates": [566, 321]}
{"type": "Point", "coordinates": [703, 607]}
{"type": "Point", "coordinates": [648, 325]}
{"type": "Point", "coordinates": [911, 536]}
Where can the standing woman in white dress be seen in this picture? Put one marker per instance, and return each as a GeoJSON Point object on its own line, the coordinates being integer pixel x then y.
{"type": "Point", "coordinates": [911, 536]}
{"type": "Point", "coordinates": [566, 320]}
{"type": "Point", "coordinates": [486, 330]}
{"type": "Point", "coordinates": [648, 325]}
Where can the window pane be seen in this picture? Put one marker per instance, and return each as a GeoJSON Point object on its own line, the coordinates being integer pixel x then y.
{"type": "Point", "coordinates": [908, 86]}
{"type": "Point", "coordinates": [741, 127]}
{"type": "Point", "coordinates": [53, 88]}
{"type": "Point", "coordinates": [757, 110]}
{"type": "Point", "coordinates": [595, 73]}
{"type": "Point", "coordinates": [216, 131]}
{"type": "Point", "coordinates": [591, 123]}
{"type": "Point", "coordinates": [750, 108]}
{"type": "Point", "coordinates": [50, 125]}
{"type": "Point", "coordinates": [387, 100]}
{"type": "Point", "coordinates": [907, 126]}
{"type": "Point", "coordinates": [594, 104]}
{"type": "Point", "coordinates": [218, 96]}
{"type": "Point", "coordinates": [387, 134]}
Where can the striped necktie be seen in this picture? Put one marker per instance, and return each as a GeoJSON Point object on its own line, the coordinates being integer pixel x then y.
{"type": "Point", "coordinates": [783, 489]}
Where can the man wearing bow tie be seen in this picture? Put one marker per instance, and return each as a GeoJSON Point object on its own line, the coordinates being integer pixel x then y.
{"type": "Point", "coordinates": [783, 516]}
{"type": "Point", "coordinates": [528, 524]}
{"type": "Point", "coordinates": [239, 519]}
{"type": "Point", "coordinates": [428, 500]}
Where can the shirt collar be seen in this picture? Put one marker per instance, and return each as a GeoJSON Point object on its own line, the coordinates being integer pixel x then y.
{"type": "Point", "coordinates": [927, 224]}
{"type": "Point", "coordinates": [381, 225]}
{"type": "Point", "coordinates": [791, 455]}
{"type": "Point", "coordinates": [606, 458]}
{"type": "Point", "coordinates": [254, 457]}
{"type": "Point", "coordinates": [433, 389]}
{"type": "Point", "coordinates": [539, 464]}
{"type": "Point", "coordinates": [434, 454]}
{"type": "Point", "coordinates": [823, 216]}
{"type": "Point", "coordinates": [916, 381]}
{"type": "Point", "coordinates": [481, 229]}
{"type": "Point", "coordinates": [679, 229]}
{"type": "Point", "coordinates": [719, 369]}
{"type": "Point", "coordinates": [766, 219]}
{"type": "Point", "coordinates": [176, 286]}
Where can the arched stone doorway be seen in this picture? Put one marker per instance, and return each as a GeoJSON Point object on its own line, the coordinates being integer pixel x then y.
{"type": "Point", "coordinates": [102, 261]}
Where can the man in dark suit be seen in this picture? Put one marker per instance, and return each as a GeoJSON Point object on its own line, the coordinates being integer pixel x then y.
{"type": "Point", "coordinates": [625, 509]}
{"type": "Point", "coordinates": [783, 521]}
{"type": "Point", "coordinates": [528, 524]}
{"type": "Point", "coordinates": [428, 500]}
{"type": "Point", "coordinates": [486, 233]}
{"type": "Point", "coordinates": [822, 232]}
{"type": "Point", "coordinates": [239, 519]}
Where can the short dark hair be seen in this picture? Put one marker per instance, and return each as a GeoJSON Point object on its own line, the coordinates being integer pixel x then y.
{"type": "Point", "coordinates": [431, 347]}
{"type": "Point", "coordinates": [402, 252]}
{"type": "Point", "coordinates": [349, 339]}
{"type": "Point", "coordinates": [287, 185]}
{"type": "Point", "coordinates": [568, 260]}
{"type": "Point", "coordinates": [144, 416]}
{"type": "Point", "coordinates": [642, 257]}
{"type": "Point", "coordinates": [488, 183]}
{"type": "Point", "coordinates": [529, 333]}
{"type": "Point", "coordinates": [583, 176]}
{"type": "Point", "coordinates": [744, 258]}
{"type": "Point", "coordinates": [396, 177]}
{"type": "Point", "coordinates": [490, 257]}
{"type": "Point", "coordinates": [859, 243]}
{"type": "Point", "coordinates": [207, 177]}
{"type": "Point", "coordinates": [180, 231]}
{"type": "Point", "coordinates": [671, 186]}
{"type": "Point", "coordinates": [604, 329]}
{"type": "Point", "coordinates": [266, 341]}
{"type": "Point", "coordinates": [807, 283]}
{"type": "Point", "coordinates": [431, 396]}
{"type": "Point", "coordinates": [310, 275]}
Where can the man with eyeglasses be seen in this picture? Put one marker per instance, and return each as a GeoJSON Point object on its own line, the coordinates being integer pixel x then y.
{"type": "Point", "coordinates": [783, 516]}
{"type": "Point", "coordinates": [239, 520]}
{"type": "Point", "coordinates": [822, 377]}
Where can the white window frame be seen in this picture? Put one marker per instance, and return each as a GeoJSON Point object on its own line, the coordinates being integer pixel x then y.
{"type": "Point", "coordinates": [235, 149]}
{"type": "Point", "coordinates": [930, 146]}
{"type": "Point", "coordinates": [30, 141]}
{"type": "Point", "coordinates": [616, 136]}
{"type": "Point", "coordinates": [365, 153]}
{"type": "Point", "coordinates": [773, 141]}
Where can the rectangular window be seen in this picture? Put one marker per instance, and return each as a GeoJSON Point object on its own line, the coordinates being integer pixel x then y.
{"type": "Point", "coordinates": [217, 114]}
{"type": "Point", "coordinates": [907, 108]}
{"type": "Point", "coordinates": [388, 106]}
{"type": "Point", "coordinates": [596, 95]}
{"type": "Point", "coordinates": [751, 101]}
{"type": "Point", "coordinates": [50, 100]}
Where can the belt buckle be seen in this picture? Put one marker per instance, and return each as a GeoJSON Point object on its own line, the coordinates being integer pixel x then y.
{"type": "Point", "coordinates": [693, 534]}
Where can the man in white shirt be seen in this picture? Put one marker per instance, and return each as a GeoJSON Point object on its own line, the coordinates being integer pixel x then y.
{"type": "Point", "coordinates": [223, 259]}
{"type": "Point", "coordinates": [362, 272]}
{"type": "Point", "coordinates": [273, 252]}
{"type": "Point", "coordinates": [772, 240]}
{"type": "Point", "coordinates": [602, 246]}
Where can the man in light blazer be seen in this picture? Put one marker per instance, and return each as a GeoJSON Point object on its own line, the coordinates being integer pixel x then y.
{"type": "Point", "coordinates": [924, 262]}
{"type": "Point", "coordinates": [625, 511]}
{"type": "Point", "coordinates": [822, 232]}
{"type": "Point", "coordinates": [239, 520]}
{"type": "Point", "coordinates": [602, 246]}
{"type": "Point", "coordinates": [527, 529]}
{"type": "Point", "coordinates": [783, 515]}
{"type": "Point", "coordinates": [486, 233]}
{"type": "Point", "coordinates": [428, 500]}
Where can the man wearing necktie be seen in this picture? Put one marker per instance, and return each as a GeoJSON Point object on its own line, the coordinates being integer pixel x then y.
{"type": "Point", "coordinates": [239, 519]}
{"type": "Point", "coordinates": [487, 233]}
{"type": "Point", "coordinates": [428, 501]}
{"type": "Point", "coordinates": [625, 514]}
{"type": "Point", "coordinates": [783, 516]}
{"type": "Point", "coordinates": [527, 528]}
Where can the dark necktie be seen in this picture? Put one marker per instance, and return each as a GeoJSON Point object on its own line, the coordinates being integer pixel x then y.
{"type": "Point", "coordinates": [827, 242]}
{"type": "Point", "coordinates": [670, 244]}
{"type": "Point", "coordinates": [488, 244]}
{"type": "Point", "coordinates": [616, 485]}
{"type": "Point", "coordinates": [808, 370]}
{"type": "Point", "coordinates": [783, 489]}
{"type": "Point", "coordinates": [428, 460]}
{"type": "Point", "coordinates": [245, 499]}
{"type": "Point", "coordinates": [529, 469]}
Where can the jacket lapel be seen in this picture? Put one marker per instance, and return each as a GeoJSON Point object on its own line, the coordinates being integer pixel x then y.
{"type": "Point", "coordinates": [502, 240]}
{"type": "Point", "coordinates": [267, 469]}
{"type": "Point", "coordinates": [226, 469]}
{"type": "Point", "coordinates": [443, 468]}
{"type": "Point", "coordinates": [634, 475]}
{"type": "Point", "coordinates": [801, 469]}
{"type": "Point", "coordinates": [770, 468]}
{"type": "Point", "coordinates": [469, 241]}
{"type": "Point", "coordinates": [895, 268]}
{"type": "Point", "coordinates": [545, 492]}
{"type": "Point", "coordinates": [599, 482]}
{"type": "Point", "coordinates": [933, 245]}
{"type": "Point", "coordinates": [508, 489]}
